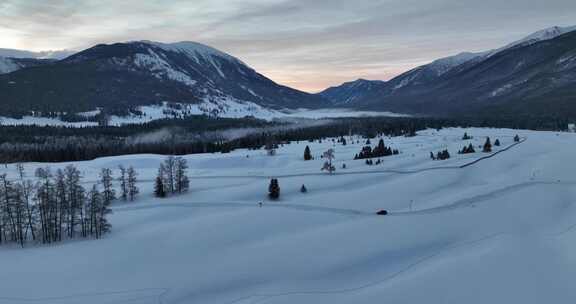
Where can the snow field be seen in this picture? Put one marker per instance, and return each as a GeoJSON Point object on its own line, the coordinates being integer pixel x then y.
{"type": "Point", "coordinates": [500, 231]}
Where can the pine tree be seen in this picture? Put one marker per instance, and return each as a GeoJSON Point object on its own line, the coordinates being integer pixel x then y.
{"type": "Point", "coordinates": [516, 138]}
{"type": "Point", "coordinates": [303, 189]}
{"type": "Point", "coordinates": [497, 143]}
{"type": "Point", "coordinates": [307, 153]}
{"type": "Point", "coordinates": [274, 189]}
{"type": "Point", "coordinates": [487, 146]}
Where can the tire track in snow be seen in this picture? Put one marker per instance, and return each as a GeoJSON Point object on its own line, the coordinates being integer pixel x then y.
{"type": "Point", "coordinates": [308, 208]}
{"type": "Point", "coordinates": [482, 197]}
{"type": "Point", "coordinates": [263, 297]}
{"type": "Point", "coordinates": [159, 298]}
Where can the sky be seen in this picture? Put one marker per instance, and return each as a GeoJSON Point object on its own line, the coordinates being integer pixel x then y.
{"type": "Point", "coordinates": [306, 44]}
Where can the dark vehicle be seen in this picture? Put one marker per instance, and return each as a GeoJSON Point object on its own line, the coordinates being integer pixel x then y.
{"type": "Point", "coordinates": [382, 212]}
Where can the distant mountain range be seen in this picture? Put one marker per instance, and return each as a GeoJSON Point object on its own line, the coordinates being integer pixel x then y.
{"type": "Point", "coordinates": [535, 76]}
{"type": "Point", "coordinates": [348, 93]}
{"type": "Point", "coordinates": [125, 75]}
{"type": "Point", "coordinates": [8, 65]}
{"type": "Point", "coordinates": [12, 53]}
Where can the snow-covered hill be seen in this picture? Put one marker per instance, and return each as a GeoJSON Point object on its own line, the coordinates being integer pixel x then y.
{"type": "Point", "coordinates": [499, 231]}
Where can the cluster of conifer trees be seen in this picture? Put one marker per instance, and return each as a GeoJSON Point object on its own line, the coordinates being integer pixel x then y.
{"type": "Point", "coordinates": [441, 155]}
{"type": "Point", "coordinates": [381, 150]}
{"type": "Point", "coordinates": [55, 206]}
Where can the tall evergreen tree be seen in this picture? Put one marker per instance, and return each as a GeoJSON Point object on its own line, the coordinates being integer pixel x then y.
{"type": "Point", "coordinates": [487, 146]}
{"type": "Point", "coordinates": [274, 189]}
{"type": "Point", "coordinates": [307, 153]}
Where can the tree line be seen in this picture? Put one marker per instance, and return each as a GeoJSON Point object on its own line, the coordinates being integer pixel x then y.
{"type": "Point", "coordinates": [187, 136]}
{"type": "Point", "coordinates": [55, 206]}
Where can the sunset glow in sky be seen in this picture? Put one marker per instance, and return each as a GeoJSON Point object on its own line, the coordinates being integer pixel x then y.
{"type": "Point", "coordinates": [306, 44]}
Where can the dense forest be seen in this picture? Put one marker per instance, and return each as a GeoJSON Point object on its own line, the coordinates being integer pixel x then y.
{"type": "Point", "coordinates": [202, 134]}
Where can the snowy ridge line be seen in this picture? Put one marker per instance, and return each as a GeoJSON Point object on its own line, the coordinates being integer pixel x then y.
{"type": "Point", "coordinates": [159, 297]}
{"type": "Point", "coordinates": [263, 297]}
{"type": "Point", "coordinates": [299, 207]}
{"type": "Point", "coordinates": [483, 197]}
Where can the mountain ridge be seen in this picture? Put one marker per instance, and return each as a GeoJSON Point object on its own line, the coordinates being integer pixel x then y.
{"type": "Point", "coordinates": [121, 76]}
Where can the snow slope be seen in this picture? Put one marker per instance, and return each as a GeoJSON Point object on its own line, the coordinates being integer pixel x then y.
{"type": "Point", "coordinates": [223, 106]}
{"type": "Point", "coordinates": [499, 231]}
{"type": "Point", "coordinates": [8, 65]}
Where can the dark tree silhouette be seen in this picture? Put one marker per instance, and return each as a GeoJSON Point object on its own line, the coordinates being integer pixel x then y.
{"type": "Point", "coordinates": [274, 189]}
{"type": "Point", "coordinates": [307, 153]}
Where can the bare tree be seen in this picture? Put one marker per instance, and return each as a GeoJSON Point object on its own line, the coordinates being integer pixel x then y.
{"type": "Point", "coordinates": [123, 179]}
{"type": "Point", "coordinates": [329, 156]}
{"type": "Point", "coordinates": [182, 181]}
{"type": "Point", "coordinates": [132, 181]}
{"type": "Point", "coordinates": [108, 192]}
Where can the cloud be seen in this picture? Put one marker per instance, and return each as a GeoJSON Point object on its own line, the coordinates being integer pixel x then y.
{"type": "Point", "coordinates": [303, 43]}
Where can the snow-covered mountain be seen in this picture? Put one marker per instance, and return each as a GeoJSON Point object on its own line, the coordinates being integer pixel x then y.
{"type": "Point", "coordinates": [9, 65]}
{"type": "Point", "coordinates": [349, 92]}
{"type": "Point", "coordinates": [446, 83]}
{"type": "Point", "coordinates": [531, 78]}
{"type": "Point", "coordinates": [121, 76]}
{"type": "Point", "coordinates": [13, 53]}
{"type": "Point", "coordinates": [542, 35]}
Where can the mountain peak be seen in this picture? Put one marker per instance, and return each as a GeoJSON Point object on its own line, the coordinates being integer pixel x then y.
{"type": "Point", "coordinates": [541, 35]}
{"type": "Point", "coordinates": [190, 48]}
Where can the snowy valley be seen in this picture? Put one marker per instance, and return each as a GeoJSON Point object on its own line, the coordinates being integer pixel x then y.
{"type": "Point", "coordinates": [500, 229]}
